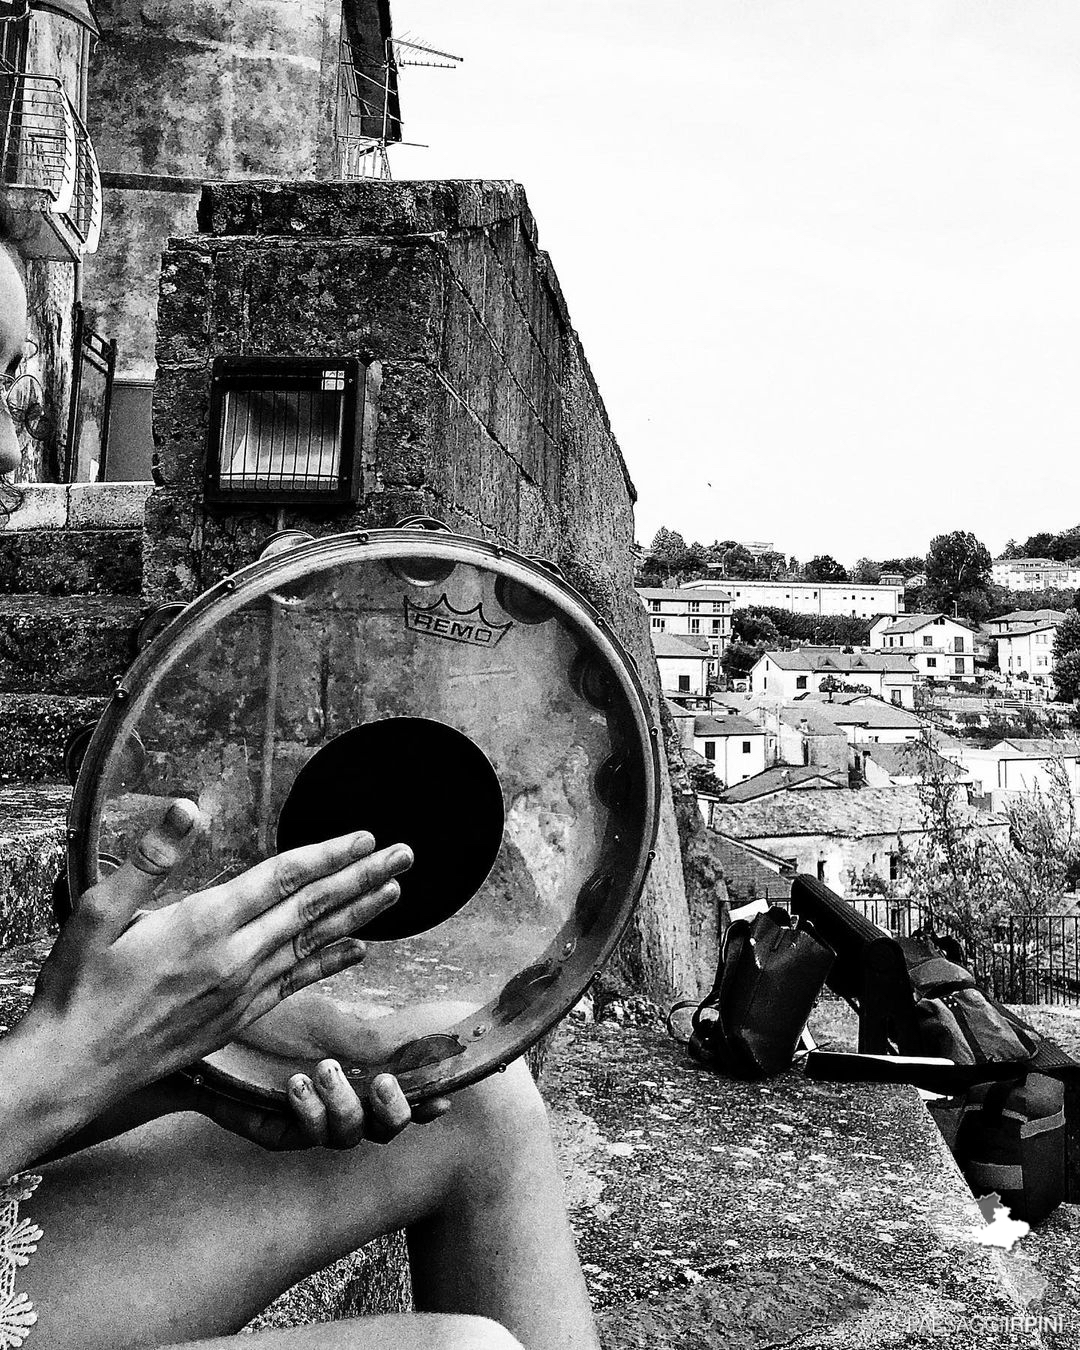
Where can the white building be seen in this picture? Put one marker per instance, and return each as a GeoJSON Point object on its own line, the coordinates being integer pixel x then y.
{"type": "Point", "coordinates": [812, 597]}
{"type": "Point", "coordinates": [905, 765]}
{"type": "Point", "coordinates": [941, 647]}
{"type": "Point", "coordinates": [868, 720]}
{"type": "Point", "coordinates": [683, 667]}
{"type": "Point", "coordinates": [704, 614]}
{"type": "Point", "coordinates": [1019, 619]}
{"type": "Point", "coordinates": [1019, 765]}
{"type": "Point", "coordinates": [1034, 574]}
{"type": "Point", "coordinates": [732, 746]}
{"type": "Point", "coordinates": [785, 675]}
{"type": "Point", "coordinates": [1027, 651]}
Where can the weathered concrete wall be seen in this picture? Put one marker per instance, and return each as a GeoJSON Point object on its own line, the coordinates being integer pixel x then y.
{"type": "Point", "coordinates": [487, 416]}
{"type": "Point", "coordinates": [122, 277]}
{"type": "Point", "coordinates": [191, 89]}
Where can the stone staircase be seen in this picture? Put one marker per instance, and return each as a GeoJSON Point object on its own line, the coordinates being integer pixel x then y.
{"type": "Point", "coordinates": [70, 576]}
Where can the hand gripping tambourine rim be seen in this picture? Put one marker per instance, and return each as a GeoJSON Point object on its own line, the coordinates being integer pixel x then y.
{"type": "Point", "coordinates": [484, 1041]}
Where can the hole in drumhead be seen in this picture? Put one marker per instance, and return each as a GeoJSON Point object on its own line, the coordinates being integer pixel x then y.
{"type": "Point", "coordinates": [408, 780]}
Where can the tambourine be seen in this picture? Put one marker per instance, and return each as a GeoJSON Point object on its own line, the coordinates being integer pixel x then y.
{"type": "Point", "coordinates": [434, 690]}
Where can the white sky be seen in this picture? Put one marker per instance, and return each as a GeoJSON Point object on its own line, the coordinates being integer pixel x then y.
{"type": "Point", "coordinates": [822, 254]}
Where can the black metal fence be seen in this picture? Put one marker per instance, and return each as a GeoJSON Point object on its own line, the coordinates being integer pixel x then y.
{"type": "Point", "coordinates": [1028, 960]}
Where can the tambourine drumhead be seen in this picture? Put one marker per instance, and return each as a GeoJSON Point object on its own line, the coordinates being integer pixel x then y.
{"type": "Point", "coordinates": [434, 690]}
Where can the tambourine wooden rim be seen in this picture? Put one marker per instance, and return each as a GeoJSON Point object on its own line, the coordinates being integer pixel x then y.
{"type": "Point", "coordinates": [489, 1038]}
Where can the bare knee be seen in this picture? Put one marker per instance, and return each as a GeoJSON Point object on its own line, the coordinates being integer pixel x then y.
{"type": "Point", "coordinates": [506, 1104]}
{"type": "Point", "coordinates": [478, 1333]}
{"type": "Point", "coordinates": [502, 1132]}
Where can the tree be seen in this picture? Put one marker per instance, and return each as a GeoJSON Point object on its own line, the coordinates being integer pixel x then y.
{"type": "Point", "coordinates": [668, 548]}
{"type": "Point", "coordinates": [956, 564]}
{"type": "Point", "coordinates": [756, 630]}
{"type": "Point", "coordinates": [739, 659]}
{"type": "Point", "coordinates": [975, 606]}
{"type": "Point", "coordinates": [1012, 550]}
{"type": "Point", "coordinates": [905, 566]}
{"type": "Point", "coordinates": [737, 561]}
{"type": "Point", "coordinates": [1067, 657]}
{"type": "Point", "coordinates": [702, 779]}
{"type": "Point", "coordinates": [967, 880]}
{"type": "Point", "coordinates": [1038, 545]}
{"type": "Point", "coordinates": [867, 572]}
{"type": "Point", "coordinates": [1066, 545]}
{"type": "Point", "coordinates": [824, 568]}
{"type": "Point", "coordinates": [694, 559]}
{"type": "Point", "coordinates": [771, 565]}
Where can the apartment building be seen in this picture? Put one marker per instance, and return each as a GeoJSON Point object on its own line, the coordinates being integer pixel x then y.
{"type": "Point", "coordinates": [1034, 574]}
{"type": "Point", "coordinates": [813, 597]}
{"type": "Point", "coordinates": [704, 613]}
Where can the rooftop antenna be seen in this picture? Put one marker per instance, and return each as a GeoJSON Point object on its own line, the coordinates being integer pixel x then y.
{"type": "Point", "coordinates": [367, 120]}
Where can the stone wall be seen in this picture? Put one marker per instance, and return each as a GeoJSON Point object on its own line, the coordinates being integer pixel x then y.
{"type": "Point", "coordinates": [487, 415]}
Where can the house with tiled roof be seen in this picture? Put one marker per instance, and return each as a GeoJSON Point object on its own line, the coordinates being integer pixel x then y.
{"type": "Point", "coordinates": [683, 663]}
{"type": "Point", "coordinates": [1026, 648]}
{"type": "Point", "coordinates": [807, 737]}
{"type": "Point", "coordinates": [904, 764]}
{"type": "Point", "coordinates": [841, 834]}
{"type": "Point", "coordinates": [785, 675]}
{"type": "Point", "coordinates": [1017, 619]}
{"type": "Point", "coordinates": [750, 874]}
{"type": "Point", "coordinates": [940, 646]}
{"type": "Point", "coordinates": [868, 718]}
{"type": "Point", "coordinates": [785, 778]}
{"type": "Point", "coordinates": [732, 746]}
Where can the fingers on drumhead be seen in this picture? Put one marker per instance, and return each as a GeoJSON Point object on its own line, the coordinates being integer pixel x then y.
{"type": "Point", "coordinates": [299, 867]}
{"type": "Point", "coordinates": [159, 848]}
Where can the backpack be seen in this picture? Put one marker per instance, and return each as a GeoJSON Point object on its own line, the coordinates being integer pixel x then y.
{"type": "Point", "coordinates": [770, 971]}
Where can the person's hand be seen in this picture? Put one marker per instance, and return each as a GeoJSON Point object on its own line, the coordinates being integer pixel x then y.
{"type": "Point", "coordinates": [325, 1111]}
{"type": "Point", "coordinates": [125, 1003]}
{"type": "Point", "coordinates": [330, 1113]}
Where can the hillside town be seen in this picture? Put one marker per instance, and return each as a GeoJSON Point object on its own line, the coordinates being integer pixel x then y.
{"type": "Point", "coordinates": [842, 758]}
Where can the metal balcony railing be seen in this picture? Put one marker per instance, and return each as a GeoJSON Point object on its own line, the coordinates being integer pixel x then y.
{"type": "Point", "coordinates": [86, 200]}
{"type": "Point", "coordinates": [39, 146]}
{"type": "Point", "coordinates": [47, 158]}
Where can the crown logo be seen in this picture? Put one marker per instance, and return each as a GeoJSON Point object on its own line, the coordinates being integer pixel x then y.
{"type": "Point", "coordinates": [442, 620]}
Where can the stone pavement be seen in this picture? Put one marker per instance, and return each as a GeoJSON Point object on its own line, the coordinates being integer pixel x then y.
{"type": "Point", "coordinates": [714, 1213]}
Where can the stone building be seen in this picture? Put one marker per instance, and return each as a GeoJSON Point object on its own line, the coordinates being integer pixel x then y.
{"type": "Point", "coordinates": [184, 93]}
{"type": "Point", "coordinates": [49, 183]}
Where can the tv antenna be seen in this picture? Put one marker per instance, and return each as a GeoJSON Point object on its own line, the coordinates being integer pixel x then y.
{"type": "Point", "coordinates": [368, 116]}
